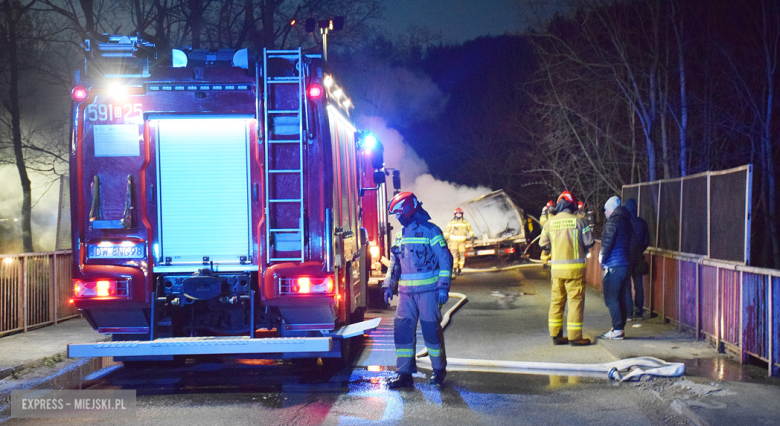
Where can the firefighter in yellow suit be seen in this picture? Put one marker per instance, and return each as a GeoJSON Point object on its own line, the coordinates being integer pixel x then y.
{"type": "Point", "coordinates": [457, 233]}
{"type": "Point", "coordinates": [547, 212]}
{"type": "Point", "coordinates": [567, 238]}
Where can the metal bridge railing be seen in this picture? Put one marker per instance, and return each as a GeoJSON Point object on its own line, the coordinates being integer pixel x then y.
{"type": "Point", "coordinates": [736, 307]}
{"type": "Point", "coordinates": [35, 290]}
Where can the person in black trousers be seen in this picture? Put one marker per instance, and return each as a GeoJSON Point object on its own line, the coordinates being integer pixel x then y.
{"type": "Point", "coordinates": [640, 240]}
{"type": "Point", "coordinates": [615, 260]}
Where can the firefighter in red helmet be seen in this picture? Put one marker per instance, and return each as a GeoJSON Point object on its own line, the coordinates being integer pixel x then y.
{"type": "Point", "coordinates": [423, 286]}
{"type": "Point", "coordinates": [547, 211]}
{"type": "Point", "coordinates": [457, 233]}
{"type": "Point", "coordinates": [567, 238]}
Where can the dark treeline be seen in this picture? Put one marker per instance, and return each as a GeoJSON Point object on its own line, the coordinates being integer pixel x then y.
{"type": "Point", "coordinates": [612, 93]}
{"type": "Point", "coordinates": [650, 89]}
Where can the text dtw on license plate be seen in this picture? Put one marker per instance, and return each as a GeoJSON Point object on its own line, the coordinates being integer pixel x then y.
{"type": "Point", "coordinates": [116, 251]}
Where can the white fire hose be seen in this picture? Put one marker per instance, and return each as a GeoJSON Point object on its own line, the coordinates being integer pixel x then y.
{"type": "Point", "coordinates": [641, 365]}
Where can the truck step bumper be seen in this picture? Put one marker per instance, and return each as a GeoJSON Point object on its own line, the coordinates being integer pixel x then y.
{"type": "Point", "coordinates": [356, 329]}
{"type": "Point", "coordinates": [209, 345]}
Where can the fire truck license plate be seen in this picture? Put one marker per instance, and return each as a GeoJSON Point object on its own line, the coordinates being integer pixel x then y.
{"type": "Point", "coordinates": [483, 252]}
{"type": "Point", "coordinates": [116, 251]}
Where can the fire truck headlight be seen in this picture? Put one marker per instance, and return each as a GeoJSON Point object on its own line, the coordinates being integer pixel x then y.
{"type": "Point", "coordinates": [116, 90]}
{"type": "Point", "coordinates": [374, 250]}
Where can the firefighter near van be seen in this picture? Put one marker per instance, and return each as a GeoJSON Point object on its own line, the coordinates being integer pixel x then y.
{"type": "Point", "coordinates": [420, 270]}
{"type": "Point", "coordinates": [567, 238]}
{"type": "Point", "coordinates": [458, 232]}
{"type": "Point", "coordinates": [216, 204]}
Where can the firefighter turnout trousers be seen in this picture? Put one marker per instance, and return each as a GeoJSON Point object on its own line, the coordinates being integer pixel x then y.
{"type": "Point", "coordinates": [425, 307]}
{"type": "Point", "coordinates": [458, 250]}
{"type": "Point", "coordinates": [573, 290]}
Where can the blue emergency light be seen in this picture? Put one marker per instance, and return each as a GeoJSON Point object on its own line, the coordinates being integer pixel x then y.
{"type": "Point", "coordinates": [370, 141]}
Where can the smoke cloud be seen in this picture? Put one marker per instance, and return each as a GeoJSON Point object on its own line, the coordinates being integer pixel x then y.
{"type": "Point", "coordinates": [45, 197]}
{"type": "Point", "coordinates": [439, 197]}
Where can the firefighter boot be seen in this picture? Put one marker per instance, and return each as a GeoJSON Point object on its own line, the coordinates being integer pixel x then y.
{"type": "Point", "coordinates": [437, 378]}
{"type": "Point", "coordinates": [559, 339]}
{"type": "Point", "coordinates": [403, 380]}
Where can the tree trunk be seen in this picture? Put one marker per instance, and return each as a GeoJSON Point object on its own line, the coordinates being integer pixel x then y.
{"type": "Point", "coordinates": [13, 13]}
{"type": "Point", "coordinates": [683, 125]}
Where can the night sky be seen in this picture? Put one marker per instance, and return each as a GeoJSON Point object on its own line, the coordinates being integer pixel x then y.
{"type": "Point", "coordinates": [457, 20]}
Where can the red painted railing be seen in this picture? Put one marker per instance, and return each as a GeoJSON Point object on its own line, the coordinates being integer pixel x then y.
{"type": "Point", "coordinates": [737, 307]}
{"type": "Point", "coordinates": [35, 289]}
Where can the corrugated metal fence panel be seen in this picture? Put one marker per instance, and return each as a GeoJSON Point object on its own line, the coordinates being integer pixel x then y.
{"type": "Point", "coordinates": [593, 272]}
{"type": "Point", "coordinates": [730, 304]}
{"type": "Point", "coordinates": [708, 293]}
{"type": "Point", "coordinates": [38, 272]}
{"type": "Point", "coordinates": [657, 284]}
{"type": "Point", "coordinates": [10, 290]}
{"type": "Point", "coordinates": [775, 291]}
{"type": "Point", "coordinates": [671, 288]}
{"type": "Point", "coordinates": [688, 294]}
{"type": "Point", "coordinates": [754, 315]}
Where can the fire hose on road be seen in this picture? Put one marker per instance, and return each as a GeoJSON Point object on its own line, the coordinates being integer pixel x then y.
{"type": "Point", "coordinates": [635, 367]}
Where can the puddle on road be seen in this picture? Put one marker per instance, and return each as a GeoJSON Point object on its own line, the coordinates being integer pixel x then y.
{"type": "Point", "coordinates": [724, 368]}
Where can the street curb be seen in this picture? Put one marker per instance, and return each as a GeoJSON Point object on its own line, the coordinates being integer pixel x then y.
{"type": "Point", "coordinates": [5, 372]}
{"type": "Point", "coordinates": [68, 377]}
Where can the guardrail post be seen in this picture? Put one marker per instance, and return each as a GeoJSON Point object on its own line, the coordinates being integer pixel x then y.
{"type": "Point", "coordinates": [718, 310]}
{"type": "Point", "coordinates": [649, 302]}
{"type": "Point", "coordinates": [698, 301]}
{"type": "Point", "coordinates": [743, 357]}
{"type": "Point", "coordinates": [23, 272]}
{"type": "Point", "coordinates": [52, 288]}
{"type": "Point", "coordinates": [770, 325]}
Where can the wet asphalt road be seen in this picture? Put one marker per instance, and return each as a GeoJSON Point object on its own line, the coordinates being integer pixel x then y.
{"type": "Point", "coordinates": [501, 321]}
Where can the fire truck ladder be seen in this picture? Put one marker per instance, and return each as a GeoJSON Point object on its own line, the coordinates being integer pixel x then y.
{"type": "Point", "coordinates": [282, 197]}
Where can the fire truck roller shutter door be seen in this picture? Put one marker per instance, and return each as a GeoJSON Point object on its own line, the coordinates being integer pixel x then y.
{"type": "Point", "coordinates": [203, 201]}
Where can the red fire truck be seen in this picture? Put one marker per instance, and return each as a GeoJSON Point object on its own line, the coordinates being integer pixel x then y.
{"type": "Point", "coordinates": [375, 217]}
{"type": "Point", "coordinates": [218, 204]}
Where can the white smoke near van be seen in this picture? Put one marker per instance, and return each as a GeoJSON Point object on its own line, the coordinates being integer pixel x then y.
{"type": "Point", "coordinates": [439, 198]}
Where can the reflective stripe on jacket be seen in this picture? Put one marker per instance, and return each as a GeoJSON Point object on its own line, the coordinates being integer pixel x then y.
{"type": "Point", "coordinates": [458, 230]}
{"type": "Point", "coordinates": [570, 238]}
{"type": "Point", "coordinates": [424, 258]}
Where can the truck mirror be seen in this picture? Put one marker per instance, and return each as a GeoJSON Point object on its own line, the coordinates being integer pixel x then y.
{"type": "Point", "coordinates": [379, 177]}
{"type": "Point", "coordinates": [396, 180]}
{"type": "Point", "coordinates": [378, 161]}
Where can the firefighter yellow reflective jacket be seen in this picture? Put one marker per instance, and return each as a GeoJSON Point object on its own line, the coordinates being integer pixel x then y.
{"type": "Point", "coordinates": [425, 261]}
{"type": "Point", "coordinates": [569, 238]}
{"type": "Point", "coordinates": [458, 230]}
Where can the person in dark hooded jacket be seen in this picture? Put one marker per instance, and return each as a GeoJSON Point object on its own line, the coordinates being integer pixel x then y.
{"type": "Point", "coordinates": [615, 259]}
{"type": "Point", "coordinates": [640, 240]}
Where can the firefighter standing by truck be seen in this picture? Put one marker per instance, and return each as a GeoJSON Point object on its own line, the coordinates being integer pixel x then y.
{"type": "Point", "coordinates": [457, 233]}
{"type": "Point", "coordinates": [547, 212]}
{"type": "Point", "coordinates": [423, 282]}
{"type": "Point", "coordinates": [567, 238]}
